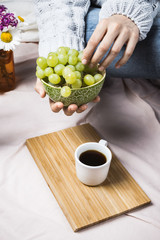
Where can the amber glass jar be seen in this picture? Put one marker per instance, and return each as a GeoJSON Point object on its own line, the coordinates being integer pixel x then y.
{"type": "Point", "coordinates": [7, 73]}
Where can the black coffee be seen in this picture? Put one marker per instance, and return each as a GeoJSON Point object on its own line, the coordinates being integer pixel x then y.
{"type": "Point", "coordinates": [93, 158]}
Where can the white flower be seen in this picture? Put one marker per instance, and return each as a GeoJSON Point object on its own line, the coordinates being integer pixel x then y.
{"type": "Point", "coordinates": [9, 28]}
{"type": "Point", "coordinates": [21, 23]}
{"type": "Point", "coordinates": [14, 39]}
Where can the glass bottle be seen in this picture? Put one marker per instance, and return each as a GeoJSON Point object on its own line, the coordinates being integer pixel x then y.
{"type": "Point", "coordinates": [7, 72]}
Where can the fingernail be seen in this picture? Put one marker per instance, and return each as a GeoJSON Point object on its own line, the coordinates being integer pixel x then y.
{"type": "Point", "coordinates": [59, 106]}
{"type": "Point", "coordinates": [101, 69]}
{"type": "Point", "coordinates": [84, 61]}
{"type": "Point", "coordinates": [40, 92]}
{"type": "Point", "coordinates": [72, 109]}
{"type": "Point", "coordinates": [118, 66]}
{"type": "Point", "coordinates": [84, 108]}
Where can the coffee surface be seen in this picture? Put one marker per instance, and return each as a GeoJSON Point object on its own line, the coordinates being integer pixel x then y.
{"type": "Point", "coordinates": [92, 158]}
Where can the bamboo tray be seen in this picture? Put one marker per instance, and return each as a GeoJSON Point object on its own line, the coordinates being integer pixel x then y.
{"type": "Point", "coordinates": [82, 205]}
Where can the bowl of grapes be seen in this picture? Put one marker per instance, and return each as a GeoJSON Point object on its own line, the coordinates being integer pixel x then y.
{"type": "Point", "coordinates": [66, 79]}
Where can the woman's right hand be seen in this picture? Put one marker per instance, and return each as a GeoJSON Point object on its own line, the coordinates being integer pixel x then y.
{"type": "Point", "coordinates": [113, 32]}
{"type": "Point", "coordinates": [56, 107]}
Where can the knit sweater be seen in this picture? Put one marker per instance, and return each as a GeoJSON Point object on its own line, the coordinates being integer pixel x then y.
{"type": "Point", "coordinates": [62, 22]}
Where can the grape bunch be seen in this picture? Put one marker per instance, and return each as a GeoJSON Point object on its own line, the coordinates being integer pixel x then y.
{"type": "Point", "coordinates": [64, 69]}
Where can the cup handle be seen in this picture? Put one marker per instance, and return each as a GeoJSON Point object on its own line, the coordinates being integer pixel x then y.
{"type": "Point", "coordinates": [103, 142]}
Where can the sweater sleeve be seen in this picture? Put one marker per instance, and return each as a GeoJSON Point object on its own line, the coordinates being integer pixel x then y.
{"type": "Point", "coordinates": [142, 12]}
{"type": "Point", "coordinates": [60, 23]}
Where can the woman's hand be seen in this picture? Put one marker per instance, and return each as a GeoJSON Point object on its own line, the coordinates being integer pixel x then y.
{"type": "Point", "coordinates": [117, 30]}
{"type": "Point", "coordinates": [56, 107]}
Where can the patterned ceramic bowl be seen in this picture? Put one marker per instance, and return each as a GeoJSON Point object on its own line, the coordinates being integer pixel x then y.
{"type": "Point", "coordinates": [78, 96]}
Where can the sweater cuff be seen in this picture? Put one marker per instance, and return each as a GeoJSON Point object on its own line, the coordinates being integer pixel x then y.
{"type": "Point", "coordinates": [140, 12]}
{"type": "Point", "coordinates": [51, 44]}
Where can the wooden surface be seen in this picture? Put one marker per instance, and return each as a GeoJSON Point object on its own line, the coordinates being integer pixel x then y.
{"type": "Point", "coordinates": [83, 205]}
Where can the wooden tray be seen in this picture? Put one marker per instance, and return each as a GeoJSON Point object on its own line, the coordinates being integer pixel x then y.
{"type": "Point", "coordinates": [83, 205]}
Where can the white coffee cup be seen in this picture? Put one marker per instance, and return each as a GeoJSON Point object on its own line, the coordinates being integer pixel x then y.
{"type": "Point", "coordinates": [93, 175]}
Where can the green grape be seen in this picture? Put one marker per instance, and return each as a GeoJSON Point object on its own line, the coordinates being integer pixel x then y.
{"type": "Point", "coordinates": [73, 52]}
{"type": "Point", "coordinates": [78, 75]}
{"type": "Point", "coordinates": [87, 69]}
{"type": "Point", "coordinates": [98, 77]}
{"type": "Point", "coordinates": [63, 59]}
{"type": "Point", "coordinates": [58, 69]}
{"type": "Point", "coordinates": [52, 53]}
{"type": "Point", "coordinates": [77, 84]}
{"type": "Point", "coordinates": [40, 73]}
{"type": "Point", "coordinates": [72, 60]}
{"type": "Point", "coordinates": [65, 71]}
{"type": "Point", "coordinates": [48, 71]}
{"type": "Point", "coordinates": [70, 78]}
{"type": "Point", "coordinates": [93, 70]}
{"type": "Point", "coordinates": [80, 67]}
{"type": "Point", "coordinates": [37, 68]}
{"type": "Point", "coordinates": [65, 91]}
{"type": "Point", "coordinates": [61, 50]}
{"type": "Point", "coordinates": [67, 49]}
{"type": "Point", "coordinates": [71, 67]}
{"type": "Point", "coordinates": [89, 79]}
{"type": "Point", "coordinates": [54, 78]}
{"type": "Point", "coordinates": [80, 56]}
{"type": "Point", "coordinates": [42, 62]}
{"type": "Point", "coordinates": [52, 60]}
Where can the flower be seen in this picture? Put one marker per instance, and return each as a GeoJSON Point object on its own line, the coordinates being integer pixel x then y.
{"type": "Point", "coordinates": [2, 9]}
{"type": "Point", "coordinates": [21, 23]}
{"type": "Point", "coordinates": [10, 26]}
{"type": "Point", "coordinates": [6, 37]}
{"type": "Point", "coordinates": [8, 20]}
{"type": "Point", "coordinates": [8, 40]}
{"type": "Point", "coordinates": [21, 19]}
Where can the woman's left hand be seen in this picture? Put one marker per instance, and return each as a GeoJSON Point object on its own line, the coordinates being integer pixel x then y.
{"type": "Point", "coordinates": [117, 30]}
{"type": "Point", "coordinates": [58, 106]}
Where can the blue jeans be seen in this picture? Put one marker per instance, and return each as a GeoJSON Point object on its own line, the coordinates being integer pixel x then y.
{"type": "Point", "coordinates": [145, 61]}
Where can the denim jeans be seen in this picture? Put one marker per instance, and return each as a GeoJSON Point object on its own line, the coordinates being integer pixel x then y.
{"type": "Point", "coordinates": [145, 61]}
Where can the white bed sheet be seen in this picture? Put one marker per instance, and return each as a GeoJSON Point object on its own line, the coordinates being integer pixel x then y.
{"type": "Point", "coordinates": [128, 117]}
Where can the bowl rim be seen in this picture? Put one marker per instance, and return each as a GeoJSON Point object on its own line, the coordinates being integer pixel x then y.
{"type": "Point", "coordinates": [74, 89]}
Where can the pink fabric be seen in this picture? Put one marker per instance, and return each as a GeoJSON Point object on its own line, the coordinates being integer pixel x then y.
{"type": "Point", "coordinates": [127, 116]}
